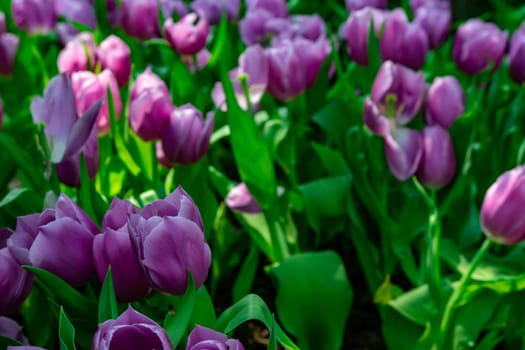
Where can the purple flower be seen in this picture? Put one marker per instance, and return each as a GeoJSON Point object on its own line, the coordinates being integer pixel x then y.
{"type": "Point", "coordinates": [114, 54]}
{"type": "Point", "coordinates": [140, 18]}
{"type": "Point", "coordinates": [15, 282]}
{"type": "Point", "coordinates": [90, 88]}
{"type": "Point", "coordinates": [131, 330]}
{"type": "Point", "coordinates": [8, 48]}
{"type": "Point", "coordinates": [65, 229]}
{"type": "Point", "coordinates": [170, 7]}
{"type": "Point", "coordinates": [3, 25]}
{"type": "Point", "coordinates": [81, 11]}
{"type": "Point", "coordinates": [435, 18]}
{"type": "Point", "coordinates": [277, 8]}
{"type": "Point", "coordinates": [478, 44]}
{"type": "Point", "coordinates": [502, 216]}
{"type": "Point", "coordinates": [169, 240]}
{"type": "Point", "coordinates": [197, 61]}
{"type": "Point", "coordinates": [189, 35]}
{"type": "Point", "coordinates": [253, 27]}
{"type": "Point", "coordinates": [355, 5]}
{"type": "Point", "coordinates": [438, 161]}
{"type": "Point", "coordinates": [404, 42]}
{"type": "Point", "coordinates": [445, 102]}
{"type": "Point", "coordinates": [186, 137]}
{"type": "Point", "coordinates": [213, 9]}
{"type": "Point", "coordinates": [113, 248]}
{"type": "Point", "coordinates": [241, 200]}
{"type": "Point", "coordinates": [34, 16]}
{"type": "Point", "coordinates": [78, 55]}
{"type": "Point", "coordinates": [517, 55]}
{"type": "Point", "coordinates": [202, 338]}
{"type": "Point", "coordinates": [10, 329]}
{"type": "Point", "coordinates": [150, 106]}
{"type": "Point", "coordinates": [403, 149]}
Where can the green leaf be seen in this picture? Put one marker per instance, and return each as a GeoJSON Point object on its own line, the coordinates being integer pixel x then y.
{"type": "Point", "coordinates": [416, 305]}
{"type": "Point", "coordinates": [66, 332]}
{"type": "Point", "coordinates": [334, 120]}
{"type": "Point", "coordinates": [12, 196]}
{"type": "Point", "coordinates": [107, 302]}
{"type": "Point", "coordinates": [40, 323]}
{"type": "Point", "coordinates": [62, 293]}
{"type": "Point", "coordinates": [314, 298]}
{"type": "Point", "coordinates": [244, 281]}
{"type": "Point", "coordinates": [220, 42]}
{"type": "Point", "coordinates": [176, 324]}
{"type": "Point", "coordinates": [203, 310]}
{"type": "Point", "coordinates": [332, 160]}
{"type": "Point", "coordinates": [399, 332]}
{"type": "Point", "coordinates": [5, 342]}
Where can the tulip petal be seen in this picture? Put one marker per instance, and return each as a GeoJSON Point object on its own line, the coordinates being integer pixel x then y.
{"type": "Point", "coordinates": [403, 148]}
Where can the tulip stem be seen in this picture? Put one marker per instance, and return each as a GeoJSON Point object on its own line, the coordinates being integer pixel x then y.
{"type": "Point", "coordinates": [459, 290]}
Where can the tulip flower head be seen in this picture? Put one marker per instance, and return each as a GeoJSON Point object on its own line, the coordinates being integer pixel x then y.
{"type": "Point", "coordinates": [445, 102]}
{"type": "Point", "coordinates": [8, 48]}
{"type": "Point", "coordinates": [10, 329]}
{"type": "Point", "coordinates": [34, 16]}
{"type": "Point", "coordinates": [189, 35]}
{"type": "Point", "coordinates": [435, 18]}
{"type": "Point", "coordinates": [79, 54]}
{"type": "Point", "coordinates": [204, 338]}
{"type": "Point", "coordinates": [355, 5]}
{"type": "Point", "coordinates": [241, 200]}
{"type": "Point", "coordinates": [140, 18]}
{"type": "Point", "coordinates": [213, 9]}
{"type": "Point", "coordinates": [517, 55]}
{"type": "Point", "coordinates": [114, 54]}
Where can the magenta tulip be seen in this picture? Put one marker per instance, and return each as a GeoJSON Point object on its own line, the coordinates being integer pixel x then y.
{"type": "Point", "coordinates": [438, 161]}
{"type": "Point", "coordinates": [114, 54]}
{"type": "Point", "coordinates": [445, 102]}
{"type": "Point", "coordinates": [189, 35]}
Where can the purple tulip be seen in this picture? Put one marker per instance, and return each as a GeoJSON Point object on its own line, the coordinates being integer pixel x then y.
{"type": "Point", "coordinates": [253, 65]}
{"type": "Point", "coordinates": [15, 282]}
{"type": "Point", "coordinates": [435, 19]}
{"type": "Point", "coordinates": [10, 329]}
{"type": "Point", "coordinates": [113, 248]}
{"type": "Point", "coordinates": [114, 54]}
{"type": "Point", "coordinates": [196, 62]}
{"type": "Point", "coordinates": [355, 5]}
{"type": "Point", "coordinates": [445, 102]}
{"type": "Point", "coordinates": [277, 8]}
{"type": "Point", "coordinates": [81, 11]}
{"type": "Point", "coordinates": [8, 48]}
{"type": "Point", "coordinates": [517, 55]}
{"type": "Point", "coordinates": [140, 18]}
{"type": "Point", "coordinates": [171, 7]}
{"type": "Point", "coordinates": [65, 229]}
{"type": "Point", "coordinates": [202, 338]}
{"type": "Point", "coordinates": [114, 13]}
{"type": "Point", "coordinates": [78, 55]}
{"type": "Point", "coordinates": [150, 106]}
{"type": "Point", "coordinates": [502, 216]}
{"type": "Point", "coordinates": [438, 161]}
{"type": "Point", "coordinates": [189, 35]}
{"type": "Point", "coordinates": [131, 330]}
{"type": "Point", "coordinates": [404, 42]}
{"type": "Point", "coordinates": [253, 27]}
{"type": "Point", "coordinates": [403, 149]}
{"type": "Point", "coordinates": [213, 9]}
{"type": "Point", "coordinates": [66, 134]}
{"type": "Point", "coordinates": [161, 157]}
{"type": "Point", "coordinates": [34, 16]}
{"type": "Point", "coordinates": [186, 137]}
{"type": "Point", "coordinates": [90, 88]}
{"type": "Point", "coordinates": [169, 239]}
{"type": "Point", "coordinates": [241, 200]}
{"type": "Point", "coordinates": [478, 44]}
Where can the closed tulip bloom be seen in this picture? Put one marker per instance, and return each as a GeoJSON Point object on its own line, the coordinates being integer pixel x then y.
{"type": "Point", "coordinates": [169, 240]}
{"type": "Point", "coordinates": [145, 81]}
{"type": "Point", "coordinates": [403, 149]}
{"type": "Point", "coordinates": [34, 16]}
{"type": "Point", "coordinates": [186, 137]}
{"type": "Point", "coordinates": [114, 54]}
{"type": "Point", "coordinates": [140, 18]}
{"type": "Point", "coordinates": [15, 282]}
{"type": "Point", "coordinates": [213, 9]}
{"type": "Point", "coordinates": [202, 338]}
{"type": "Point", "coordinates": [517, 55]}
{"type": "Point", "coordinates": [438, 161]}
{"type": "Point", "coordinates": [445, 102]}
{"type": "Point", "coordinates": [131, 330]}
{"type": "Point", "coordinates": [113, 248]}
{"type": "Point", "coordinates": [173, 7]}
{"type": "Point", "coordinates": [253, 27]}
{"type": "Point", "coordinates": [477, 45]}
{"type": "Point", "coordinates": [81, 11]}
{"type": "Point", "coordinates": [502, 216]}
{"type": "Point", "coordinates": [355, 5]}
{"type": "Point", "coordinates": [278, 8]}
{"type": "Point", "coordinates": [435, 19]}
{"type": "Point", "coordinates": [241, 200]}
{"type": "Point", "coordinates": [79, 54]}
{"type": "Point", "coordinates": [404, 42]}
{"type": "Point", "coordinates": [65, 229]}
{"type": "Point", "coordinates": [12, 330]}
{"type": "Point", "coordinates": [189, 35]}
{"type": "Point", "coordinates": [90, 88]}
{"type": "Point", "coordinates": [8, 48]}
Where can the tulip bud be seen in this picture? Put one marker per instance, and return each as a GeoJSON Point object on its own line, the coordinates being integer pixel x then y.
{"type": "Point", "coordinates": [240, 199]}
{"type": "Point", "coordinates": [478, 44]}
{"type": "Point", "coordinates": [131, 330]}
{"type": "Point", "coordinates": [15, 282]}
{"type": "Point", "coordinates": [114, 54]}
{"type": "Point", "coordinates": [187, 135]}
{"type": "Point", "coordinates": [140, 18]}
{"type": "Point", "coordinates": [213, 9]}
{"type": "Point", "coordinates": [189, 35]}
{"type": "Point", "coordinates": [355, 5]}
{"type": "Point", "coordinates": [34, 16]}
{"type": "Point", "coordinates": [438, 161]}
{"type": "Point", "coordinates": [10, 329]}
{"type": "Point", "coordinates": [253, 27]}
{"type": "Point", "coordinates": [78, 55]}
{"type": "Point", "coordinates": [517, 55]}
{"type": "Point", "coordinates": [404, 43]}
{"type": "Point", "coordinates": [435, 20]}
{"type": "Point", "coordinates": [65, 229]}
{"type": "Point", "coordinates": [169, 240]}
{"type": "Point", "coordinates": [150, 106]}
{"type": "Point", "coordinates": [205, 338]}
{"type": "Point", "coordinates": [502, 216]}
{"type": "Point", "coordinates": [445, 102]}
{"type": "Point", "coordinates": [113, 248]}
{"type": "Point", "coordinates": [8, 48]}
{"type": "Point", "coordinates": [403, 149]}
{"type": "Point", "coordinates": [90, 88]}
{"type": "Point", "coordinates": [277, 8]}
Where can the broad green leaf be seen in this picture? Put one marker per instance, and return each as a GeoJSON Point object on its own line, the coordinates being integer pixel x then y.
{"type": "Point", "coordinates": [244, 281]}
{"type": "Point", "coordinates": [177, 323]}
{"type": "Point", "coordinates": [416, 305]}
{"type": "Point", "coordinates": [66, 332]}
{"type": "Point", "coordinates": [39, 322]}
{"type": "Point", "coordinates": [314, 298]}
{"type": "Point", "coordinates": [334, 119]}
{"type": "Point", "coordinates": [399, 332]}
{"type": "Point", "coordinates": [5, 342]}
{"type": "Point", "coordinates": [107, 302]}
{"type": "Point", "coordinates": [332, 160]}
{"type": "Point", "coordinates": [203, 309]}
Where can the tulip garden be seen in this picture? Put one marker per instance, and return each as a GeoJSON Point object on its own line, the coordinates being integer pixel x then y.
{"type": "Point", "coordinates": [262, 174]}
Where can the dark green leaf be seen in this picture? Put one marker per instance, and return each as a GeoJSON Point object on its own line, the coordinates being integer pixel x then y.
{"type": "Point", "coordinates": [244, 281]}
{"type": "Point", "coordinates": [66, 332]}
{"type": "Point", "coordinates": [107, 302]}
{"type": "Point", "coordinates": [176, 324]}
